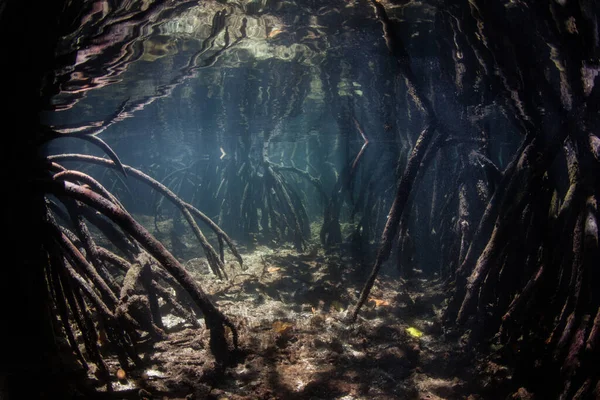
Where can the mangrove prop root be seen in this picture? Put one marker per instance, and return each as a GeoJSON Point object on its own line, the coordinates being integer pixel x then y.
{"type": "Point", "coordinates": [509, 211]}
{"type": "Point", "coordinates": [152, 295]}
{"type": "Point", "coordinates": [486, 223]}
{"type": "Point", "coordinates": [90, 246]}
{"type": "Point", "coordinates": [275, 183]}
{"type": "Point", "coordinates": [391, 226]}
{"type": "Point", "coordinates": [88, 333]}
{"type": "Point", "coordinates": [86, 319]}
{"type": "Point", "coordinates": [135, 304]}
{"type": "Point", "coordinates": [398, 50]}
{"type": "Point", "coordinates": [89, 292]}
{"type": "Point", "coordinates": [85, 178]}
{"type": "Point", "coordinates": [50, 134]}
{"type": "Point", "coordinates": [113, 259]}
{"type": "Point", "coordinates": [61, 305]}
{"type": "Point", "coordinates": [79, 260]}
{"type": "Point", "coordinates": [152, 286]}
{"type": "Point", "coordinates": [521, 300]}
{"type": "Point", "coordinates": [316, 182]}
{"type": "Point", "coordinates": [183, 206]}
{"type": "Point", "coordinates": [330, 234]}
{"type": "Point", "coordinates": [178, 308]}
{"type": "Point", "coordinates": [124, 243]}
{"type": "Point", "coordinates": [593, 340]}
{"type": "Point", "coordinates": [220, 233]}
{"type": "Point", "coordinates": [213, 317]}
{"type": "Point", "coordinates": [565, 323]}
{"type": "Point", "coordinates": [362, 149]}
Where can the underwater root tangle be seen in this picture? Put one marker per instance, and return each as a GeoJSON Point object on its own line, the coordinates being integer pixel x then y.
{"type": "Point", "coordinates": [422, 145]}
{"type": "Point", "coordinates": [189, 212]}
{"type": "Point", "coordinates": [283, 215]}
{"type": "Point", "coordinates": [103, 296]}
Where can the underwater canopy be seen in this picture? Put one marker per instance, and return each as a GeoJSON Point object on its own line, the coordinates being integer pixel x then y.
{"type": "Point", "coordinates": [272, 199]}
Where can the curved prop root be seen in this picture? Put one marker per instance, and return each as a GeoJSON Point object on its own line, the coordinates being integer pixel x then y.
{"type": "Point", "coordinates": [214, 260]}
{"type": "Point", "coordinates": [214, 319]}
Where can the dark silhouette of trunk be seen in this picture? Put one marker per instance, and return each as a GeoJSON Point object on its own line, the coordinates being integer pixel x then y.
{"type": "Point", "coordinates": [30, 363]}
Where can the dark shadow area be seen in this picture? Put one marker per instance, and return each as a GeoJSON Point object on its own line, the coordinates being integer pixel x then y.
{"type": "Point", "coordinates": [342, 199]}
